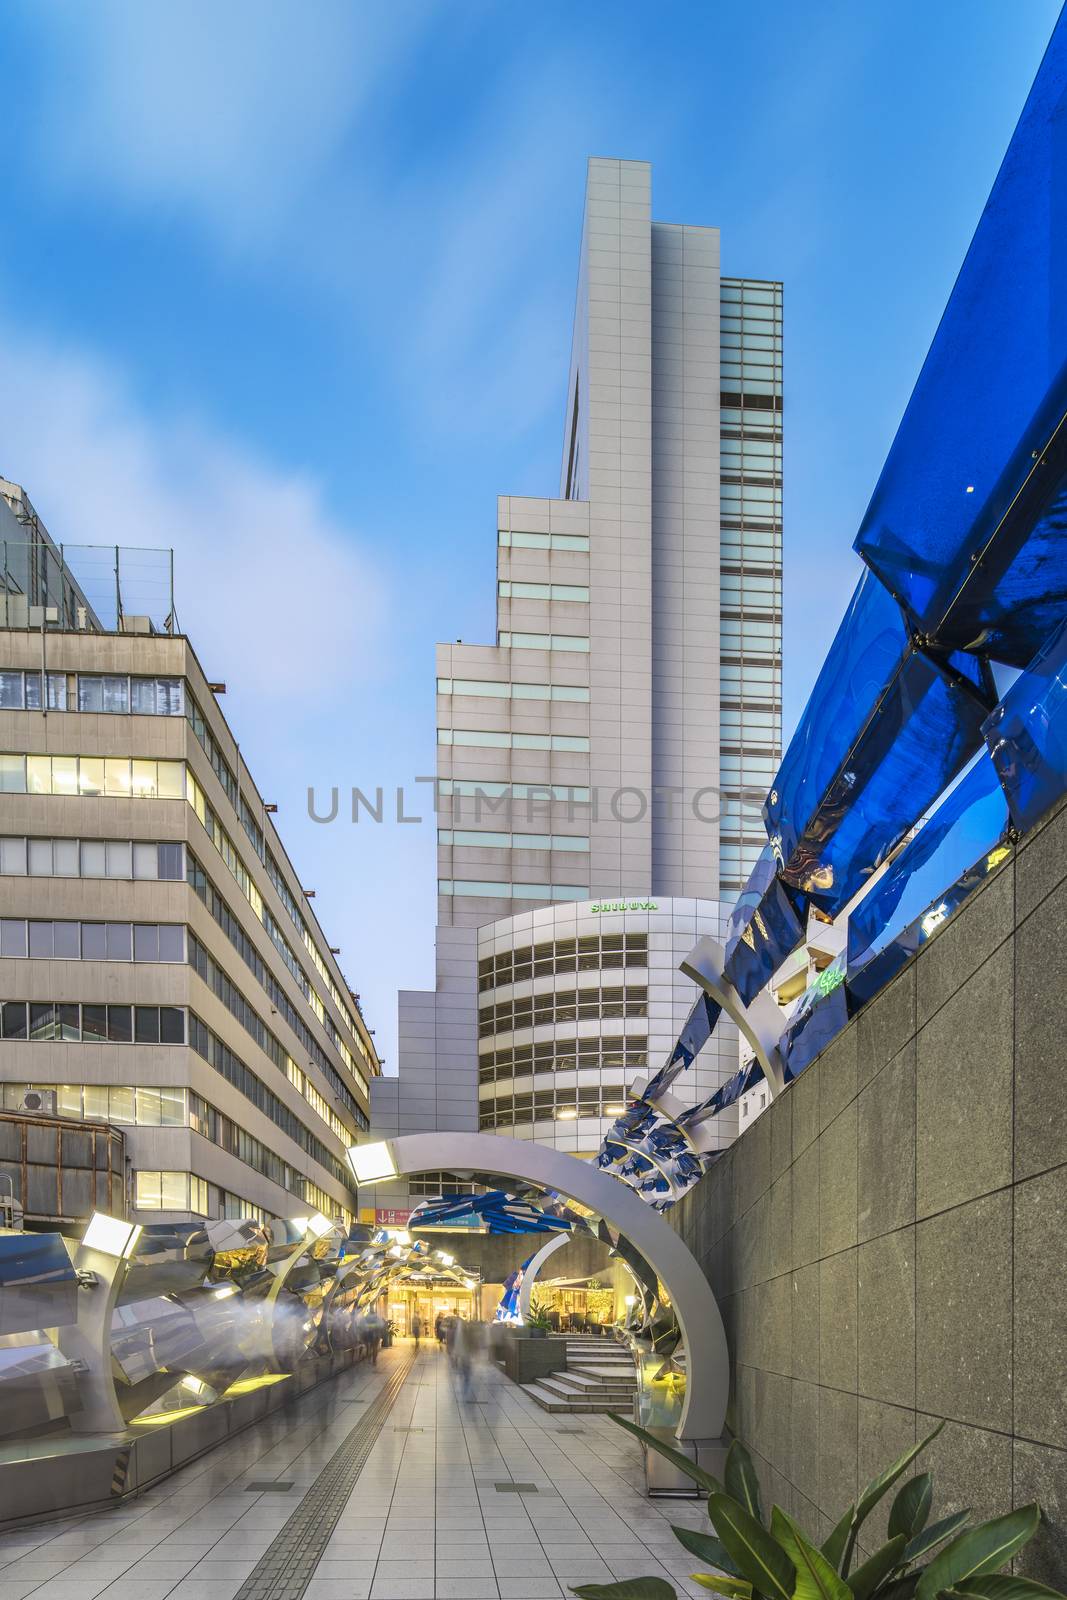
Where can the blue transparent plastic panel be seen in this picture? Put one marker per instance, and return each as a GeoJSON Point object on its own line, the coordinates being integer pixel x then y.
{"type": "Point", "coordinates": [1027, 734]}
{"type": "Point", "coordinates": [948, 858]}
{"type": "Point", "coordinates": [990, 395]}
{"type": "Point", "coordinates": [775, 929]}
{"type": "Point", "coordinates": [867, 648]}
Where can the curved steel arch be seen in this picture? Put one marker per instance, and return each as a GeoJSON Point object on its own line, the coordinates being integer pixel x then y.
{"type": "Point", "coordinates": [760, 1022]}
{"type": "Point", "coordinates": [707, 1358]}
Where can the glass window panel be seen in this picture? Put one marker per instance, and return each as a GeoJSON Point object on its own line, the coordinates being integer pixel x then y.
{"type": "Point", "coordinates": [91, 775]}
{"type": "Point", "coordinates": [143, 783]}
{"type": "Point", "coordinates": [90, 693]}
{"type": "Point", "coordinates": [11, 691]}
{"type": "Point", "coordinates": [149, 1108]}
{"type": "Point", "coordinates": [122, 1106]}
{"type": "Point", "coordinates": [171, 862]}
{"type": "Point", "coordinates": [39, 853]}
{"type": "Point", "coordinates": [38, 774]}
{"type": "Point", "coordinates": [13, 774]}
{"type": "Point", "coordinates": [13, 1019]}
{"type": "Point", "coordinates": [13, 857]}
{"type": "Point", "coordinates": [170, 780]}
{"type": "Point", "coordinates": [119, 858]}
{"type": "Point", "coordinates": [116, 777]}
{"type": "Point", "coordinates": [120, 1024]}
{"type": "Point", "coordinates": [170, 697]}
{"type": "Point", "coordinates": [65, 858]}
{"type": "Point", "coordinates": [174, 1192]}
{"type": "Point", "coordinates": [147, 1188]}
{"type": "Point", "coordinates": [119, 940]}
{"type": "Point", "coordinates": [566, 641]}
{"type": "Point", "coordinates": [116, 694]}
{"type": "Point", "coordinates": [145, 860]}
{"type": "Point", "coordinates": [93, 858]}
{"type": "Point", "coordinates": [146, 942]}
{"type": "Point", "coordinates": [67, 940]}
{"type": "Point", "coordinates": [42, 1020]}
{"type": "Point", "coordinates": [171, 1025]}
{"type": "Point", "coordinates": [94, 1026]}
{"type": "Point", "coordinates": [12, 937]}
{"type": "Point", "coordinates": [69, 1099]}
{"type": "Point", "coordinates": [143, 696]}
{"type": "Point", "coordinates": [146, 1025]}
{"type": "Point", "coordinates": [68, 1021]}
{"type": "Point", "coordinates": [57, 691]}
{"type": "Point", "coordinates": [95, 1096]}
{"type": "Point", "coordinates": [172, 1112]}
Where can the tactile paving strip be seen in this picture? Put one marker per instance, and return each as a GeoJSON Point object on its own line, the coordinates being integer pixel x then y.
{"type": "Point", "coordinates": [288, 1564]}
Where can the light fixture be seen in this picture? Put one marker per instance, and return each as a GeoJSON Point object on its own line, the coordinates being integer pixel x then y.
{"type": "Point", "coordinates": [629, 1301]}
{"type": "Point", "coordinates": [371, 1163]}
{"type": "Point", "coordinates": [444, 1258]}
{"type": "Point", "coordinates": [614, 1111]}
{"type": "Point", "coordinates": [470, 1283]}
{"type": "Point", "coordinates": [568, 1114]}
{"type": "Point", "coordinates": [111, 1236]}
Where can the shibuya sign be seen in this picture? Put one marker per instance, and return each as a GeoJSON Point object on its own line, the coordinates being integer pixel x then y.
{"type": "Point", "coordinates": [599, 907]}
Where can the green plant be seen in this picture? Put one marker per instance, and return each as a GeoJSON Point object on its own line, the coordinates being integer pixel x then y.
{"type": "Point", "coordinates": [772, 1559]}
{"type": "Point", "coordinates": [538, 1315]}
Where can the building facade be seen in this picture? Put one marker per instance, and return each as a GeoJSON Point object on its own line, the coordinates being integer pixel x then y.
{"type": "Point", "coordinates": [161, 967]}
{"type": "Point", "coordinates": [601, 767]}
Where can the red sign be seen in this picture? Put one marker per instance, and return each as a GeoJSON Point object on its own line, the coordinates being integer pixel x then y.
{"type": "Point", "coordinates": [391, 1218]}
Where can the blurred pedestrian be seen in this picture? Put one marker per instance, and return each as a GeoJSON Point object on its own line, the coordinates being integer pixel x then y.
{"type": "Point", "coordinates": [416, 1329]}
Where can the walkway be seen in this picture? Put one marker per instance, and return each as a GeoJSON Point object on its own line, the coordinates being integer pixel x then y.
{"type": "Point", "coordinates": [350, 1494]}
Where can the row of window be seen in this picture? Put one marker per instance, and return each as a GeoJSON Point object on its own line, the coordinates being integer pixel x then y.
{"type": "Point", "coordinates": [256, 838]}
{"type": "Point", "coordinates": [488, 890]}
{"type": "Point", "coordinates": [509, 589]}
{"type": "Point", "coordinates": [545, 1105]}
{"type": "Point", "coordinates": [588, 954]}
{"type": "Point", "coordinates": [101, 1102]}
{"type": "Point", "coordinates": [228, 1135]}
{"type": "Point", "coordinates": [545, 641]}
{"type": "Point", "coordinates": [491, 689]}
{"type": "Point", "coordinates": [244, 880]}
{"type": "Point", "coordinates": [511, 539]}
{"type": "Point", "coordinates": [224, 917]}
{"type": "Point", "coordinates": [78, 1023]}
{"type": "Point", "coordinates": [91, 858]}
{"type": "Point", "coordinates": [512, 841]}
{"type": "Point", "coordinates": [562, 1005]}
{"type": "Point", "coordinates": [92, 691]}
{"type": "Point", "coordinates": [228, 1065]}
{"type": "Point", "coordinates": [748, 423]}
{"type": "Point", "coordinates": [186, 1191]}
{"type": "Point", "coordinates": [620, 1052]}
{"type": "Point", "coordinates": [484, 738]}
{"type": "Point", "coordinates": [232, 998]}
{"type": "Point", "coordinates": [491, 789]}
{"type": "Point", "coordinates": [116, 777]}
{"type": "Point", "coordinates": [91, 941]}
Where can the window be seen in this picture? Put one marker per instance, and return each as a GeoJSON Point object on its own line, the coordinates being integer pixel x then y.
{"type": "Point", "coordinates": [479, 788]}
{"type": "Point", "coordinates": [489, 688]}
{"type": "Point", "coordinates": [513, 891]}
{"type": "Point", "coordinates": [545, 641]}
{"type": "Point", "coordinates": [116, 777]}
{"type": "Point", "coordinates": [590, 953]}
{"type": "Point", "coordinates": [513, 841]}
{"type": "Point", "coordinates": [485, 738]}
{"type": "Point", "coordinates": [542, 541]}
{"type": "Point", "coordinates": [510, 590]}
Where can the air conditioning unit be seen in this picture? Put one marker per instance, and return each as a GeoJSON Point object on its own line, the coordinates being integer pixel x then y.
{"type": "Point", "coordinates": [39, 1101]}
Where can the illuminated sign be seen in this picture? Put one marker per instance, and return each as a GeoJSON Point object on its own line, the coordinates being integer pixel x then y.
{"type": "Point", "coordinates": [601, 906]}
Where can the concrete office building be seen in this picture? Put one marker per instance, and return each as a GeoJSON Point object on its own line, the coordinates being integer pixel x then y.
{"type": "Point", "coordinates": [161, 968]}
{"type": "Point", "coordinates": [602, 749]}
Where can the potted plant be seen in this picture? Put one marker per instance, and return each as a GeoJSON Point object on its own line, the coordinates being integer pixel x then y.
{"type": "Point", "coordinates": [761, 1558]}
{"type": "Point", "coordinates": [538, 1321]}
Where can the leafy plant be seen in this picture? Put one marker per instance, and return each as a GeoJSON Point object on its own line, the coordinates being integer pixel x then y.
{"type": "Point", "coordinates": [538, 1315]}
{"type": "Point", "coordinates": [771, 1558]}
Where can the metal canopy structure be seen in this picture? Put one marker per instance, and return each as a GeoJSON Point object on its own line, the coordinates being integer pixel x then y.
{"type": "Point", "coordinates": [703, 1414]}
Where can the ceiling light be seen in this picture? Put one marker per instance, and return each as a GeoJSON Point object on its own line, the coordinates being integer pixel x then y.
{"type": "Point", "coordinates": [111, 1236]}
{"type": "Point", "coordinates": [371, 1163]}
{"type": "Point", "coordinates": [568, 1114]}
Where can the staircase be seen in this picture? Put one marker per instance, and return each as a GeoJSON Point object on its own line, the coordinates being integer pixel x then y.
{"type": "Point", "coordinates": [599, 1376]}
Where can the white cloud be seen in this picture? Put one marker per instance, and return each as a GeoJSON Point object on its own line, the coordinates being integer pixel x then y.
{"type": "Point", "coordinates": [274, 592]}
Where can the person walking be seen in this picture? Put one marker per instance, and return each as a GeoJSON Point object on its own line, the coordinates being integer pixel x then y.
{"type": "Point", "coordinates": [416, 1329]}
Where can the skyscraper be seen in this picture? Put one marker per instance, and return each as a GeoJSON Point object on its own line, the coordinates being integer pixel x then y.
{"type": "Point", "coordinates": [613, 747]}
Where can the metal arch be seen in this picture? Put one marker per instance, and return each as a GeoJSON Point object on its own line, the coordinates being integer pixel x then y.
{"type": "Point", "coordinates": [760, 1022]}
{"type": "Point", "coordinates": [708, 1362]}
{"type": "Point", "coordinates": [529, 1277]}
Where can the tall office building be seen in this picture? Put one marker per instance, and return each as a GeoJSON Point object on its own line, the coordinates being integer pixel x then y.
{"type": "Point", "coordinates": [161, 968]}
{"type": "Point", "coordinates": [615, 744]}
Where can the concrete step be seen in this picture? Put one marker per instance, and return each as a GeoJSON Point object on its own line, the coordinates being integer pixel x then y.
{"type": "Point", "coordinates": [549, 1400]}
{"type": "Point", "coordinates": [583, 1380]}
{"type": "Point", "coordinates": [560, 1383]}
{"type": "Point", "coordinates": [611, 1374]}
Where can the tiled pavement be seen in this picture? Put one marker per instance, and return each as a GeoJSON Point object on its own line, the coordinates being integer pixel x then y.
{"type": "Point", "coordinates": [426, 1519]}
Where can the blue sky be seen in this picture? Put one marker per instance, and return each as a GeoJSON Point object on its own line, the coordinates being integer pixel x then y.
{"type": "Point", "coordinates": [289, 287]}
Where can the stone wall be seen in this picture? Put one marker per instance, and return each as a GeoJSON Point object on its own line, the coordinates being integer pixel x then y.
{"type": "Point", "coordinates": [888, 1242]}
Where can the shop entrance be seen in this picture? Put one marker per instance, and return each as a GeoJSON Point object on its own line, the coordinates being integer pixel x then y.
{"type": "Point", "coordinates": [428, 1301]}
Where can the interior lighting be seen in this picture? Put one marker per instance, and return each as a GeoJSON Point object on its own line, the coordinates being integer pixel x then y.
{"type": "Point", "coordinates": [246, 1385]}
{"type": "Point", "coordinates": [163, 1419]}
{"type": "Point", "coordinates": [444, 1258]}
{"type": "Point", "coordinates": [568, 1114]}
{"type": "Point", "coordinates": [111, 1236]}
{"type": "Point", "coordinates": [371, 1163]}
{"type": "Point", "coordinates": [401, 1236]}
{"type": "Point", "coordinates": [614, 1111]}
{"type": "Point", "coordinates": [629, 1301]}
